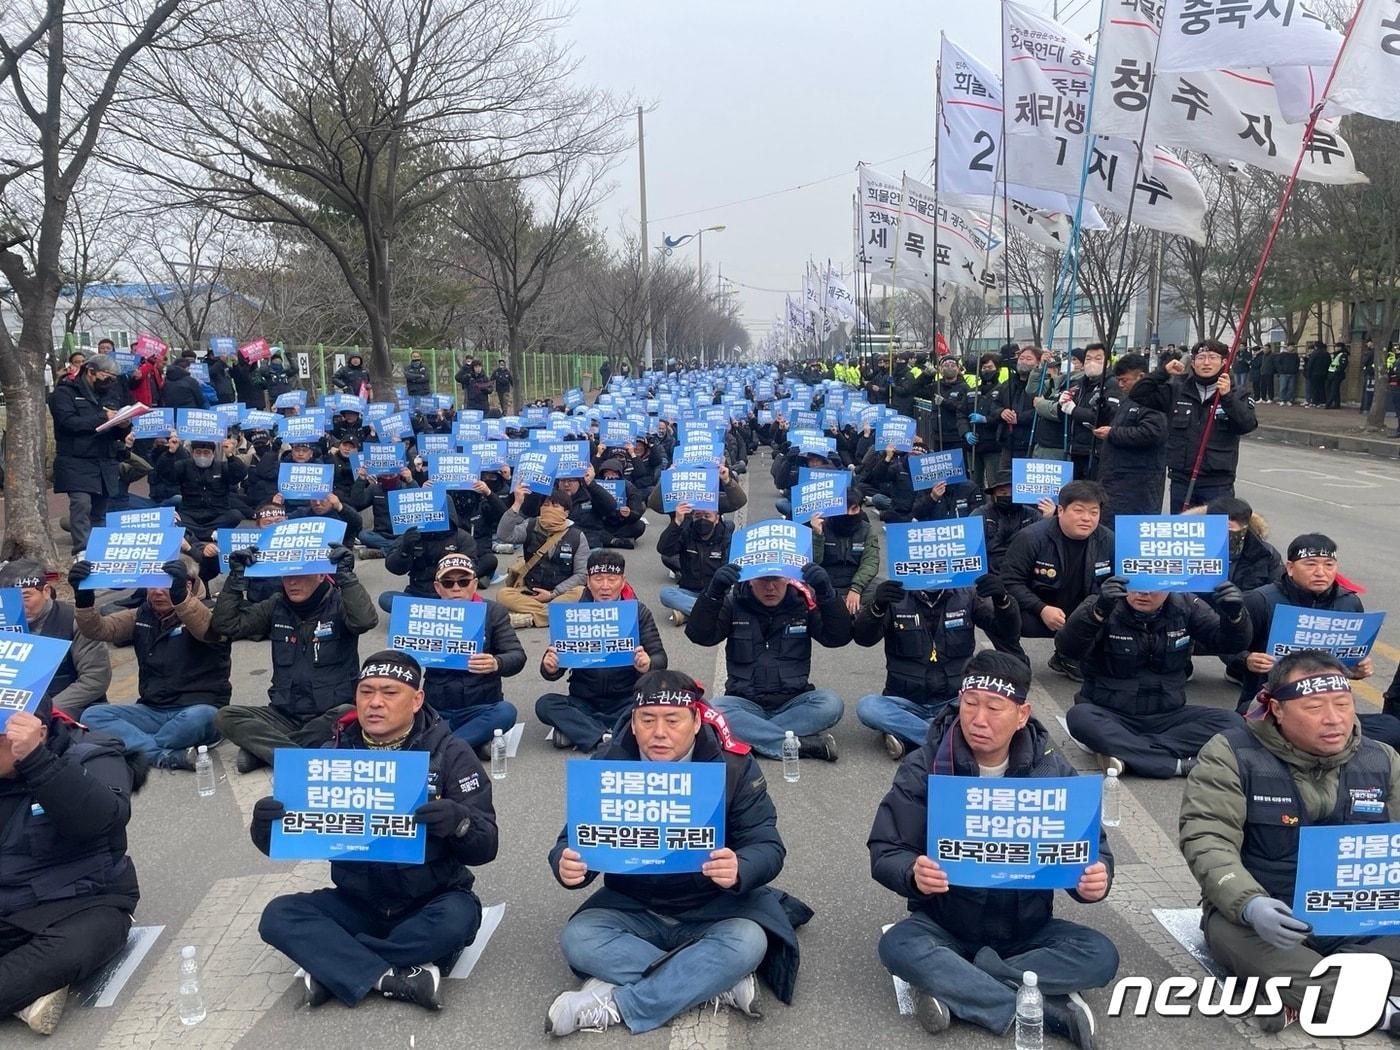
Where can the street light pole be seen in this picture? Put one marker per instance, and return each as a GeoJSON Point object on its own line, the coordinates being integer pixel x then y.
{"type": "Point", "coordinates": [646, 251]}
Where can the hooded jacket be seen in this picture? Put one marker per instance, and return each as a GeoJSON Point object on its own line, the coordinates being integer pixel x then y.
{"type": "Point", "coordinates": [699, 555]}
{"type": "Point", "coordinates": [181, 390]}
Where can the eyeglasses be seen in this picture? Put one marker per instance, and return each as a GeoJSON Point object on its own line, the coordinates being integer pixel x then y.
{"type": "Point", "coordinates": [457, 581]}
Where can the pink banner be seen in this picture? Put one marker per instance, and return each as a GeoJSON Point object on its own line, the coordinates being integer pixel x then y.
{"type": "Point", "coordinates": [149, 346]}
{"type": "Point", "coordinates": [257, 350]}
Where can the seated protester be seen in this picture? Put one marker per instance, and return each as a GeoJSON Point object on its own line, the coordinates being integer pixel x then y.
{"type": "Point", "coordinates": [964, 950]}
{"type": "Point", "coordinates": [67, 887]}
{"type": "Point", "coordinates": [958, 500]}
{"type": "Point", "coordinates": [299, 453]}
{"type": "Point", "coordinates": [416, 555]}
{"type": "Point", "coordinates": [349, 425]}
{"type": "Point", "coordinates": [471, 701]}
{"type": "Point", "coordinates": [1053, 565]}
{"type": "Point", "coordinates": [627, 520]}
{"type": "Point", "coordinates": [787, 471]}
{"type": "Point", "coordinates": [260, 589]}
{"type": "Point", "coordinates": [591, 504]}
{"type": "Point", "coordinates": [847, 546]}
{"type": "Point", "coordinates": [1301, 763]}
{"type": "Point", "coordinates": [263, 463]}
{"type": "Point", "coordinates": [653, 946]}
{"type": "Point", "coordinates": [386, 927]}
{"type": "Point", "coordinates": [330, 507]}
{"type": "Point", "coordinates": [768, 625]}
{"type": "Point", "coordinates": [1134, 650]}
{"type": "Point", "coordinates": [371, 491]}
{"type": "Point", "coordinates": [479, 511]}
{"type": "Point", "coordinates": [1002, 518]}
{"type": "Point", "coordinates": [86, 671]}
{"type": "Point", "coordinates": [736, 447]}
{"type": "Point", "coordinates": [314, 624]}
{"type": "Point", "coordinates": [208, 484]}
{"type": "Point", "coordinates": [598, 697]}
{"type": "Point", "coordinates": [697, 542]}
{"type": "Point", "coordinates": [182, 667]}
{"type": "Point", "coordinates": [343, 480]}
{"type": "Point", "coordinates": [1253, 560]}
{"type": "Point", "coordinates": [929, 638]}
{"type": "Point", "coordinates": [886, 476]}
{"type": "Point", "coordinates": [731, 494]}
{"type": "Point", "coordinates": [554, 563]}
{"type": "Point", "coordinates": [648, 460]}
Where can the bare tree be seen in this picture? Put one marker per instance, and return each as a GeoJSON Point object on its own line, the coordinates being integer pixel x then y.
{"type": "Point", "coordinates": [64, 63]}
{"type": "Point", "coordinates": [966, 318]}
{"type": "Point", "coordinates": [182, 257]}
{"type": "Point", "coordinates": [1112, 272]}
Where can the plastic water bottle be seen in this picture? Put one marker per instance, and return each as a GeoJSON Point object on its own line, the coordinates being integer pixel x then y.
{"type": "Point", "coordinates": [498, 756]}
{"type": "Point", "coordinates": [204, 773]}
{"type": "Point", "coordinates": [1112, 800]}
{"type": "Point", "coordinates": [1030, 1014]}
{"type": "Point", "coordinates": [791, 771]}
{"type": "Point", "coordinates": [190, 999]}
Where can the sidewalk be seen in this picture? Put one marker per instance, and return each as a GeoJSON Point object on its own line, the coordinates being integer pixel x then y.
{"type": "Point", "coordinates": [1339, 428]}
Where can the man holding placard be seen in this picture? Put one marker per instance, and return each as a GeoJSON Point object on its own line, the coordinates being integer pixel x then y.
{"type": "Point", "coordinates": [605, 662]}
{"type": "Point", "coordinates": [707, 924]}
{"type": "Point", "coordinates": [847, 546]}
{"type": "Point", "coordinates": [385, 927]}
{"type": "Point", "coordinates": [1304, 762]}
{"type": "Point", "coordinates": [555, 558]}
{"type": "Point", "coordinates": [85, 672]}
{"type": "Point", "coordinates": [966, 945]}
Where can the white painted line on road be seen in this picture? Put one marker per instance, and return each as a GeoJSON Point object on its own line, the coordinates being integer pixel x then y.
{"type": "Point", "coordinates": [1290, 492]}
{"type": "Point", "coordinates": [513, 738]}
{"type": "Point", "coordinates": [466, 962]}
{"type": "Point", "coordinates": [1064, 724]}
{"type": "Point", "coordinates": [903, 992]}
{"type": "Point", "coordinates": [102, 988]}
{"type": "Point", "coordinates": [1184, 924]}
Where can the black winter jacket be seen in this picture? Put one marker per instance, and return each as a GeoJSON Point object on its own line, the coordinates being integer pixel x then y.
{"type": "Point", "coordinates": [607, 686]}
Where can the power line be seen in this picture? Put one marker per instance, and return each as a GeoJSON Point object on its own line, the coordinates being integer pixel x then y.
{"type": "Point", "coordinates": [790, 189]}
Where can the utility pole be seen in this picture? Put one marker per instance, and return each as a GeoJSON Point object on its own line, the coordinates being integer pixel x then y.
{"type": "Point", "coordinates": [645, 247]}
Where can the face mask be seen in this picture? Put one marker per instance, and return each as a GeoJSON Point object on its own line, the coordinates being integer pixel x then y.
{"type": "Point", "coordinates": [1002, 501]}
{"type": "Point", "coordinates": [261, 443]}
{"type": "Point", "coordinates": [552, 517]}
{"type": "Point", "coordinates": [949, 376]}
{"type": "Point", "coordinates": [1237, 541]}
{"type": "Point", "coordinates": [1023, 370]}
{"type": "Point", "coordinates": [202, 459]}
{"type": "Point", "coordinates": [988, 374]}
{"type": "Point", "coordinates": [1094, 370]}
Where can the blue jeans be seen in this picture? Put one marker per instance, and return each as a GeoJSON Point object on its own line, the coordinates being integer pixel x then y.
{"type": "Point", "coordinates": [763, 728]}
{"type": "Point", "coordinates": [681, 600]}
{"type": "Point", "coordinates": [154, 731]}
{"type": "Point", "coordinates": [978, 982]}
{"type": "Point", "coordinates": [377, 540]}
{"type": "Point", "coordinates": [784, 507]}
{"type": "Point", "coordinates": [621, 947]}
{"type": "Point", "coordinates": [386, 599]}
{"type": "Point", "coordinates": [476, 725]}
{"type": "Point", "coordinates": [897, 716]}
{"type": "Point", "coordinates": [1287, 388]}
{"type": "Point", "coordinates": [880, 501]}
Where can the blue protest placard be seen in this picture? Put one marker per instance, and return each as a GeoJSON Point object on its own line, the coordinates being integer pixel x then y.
{"type": "Point", "coordinates": [824, 493]}
{"type": "Point", "coordinates": [378, 410]}
{"type": "Point", "coordinates": [222, 345]}
{"type": "Point", "coordinates": [198, 370]}
{"type": "Point", "coordinates": [12, 619]}
{"type": "Point", "coordinates": [349, 805]}
{"type": "Point", "coordinates": [393, 427]}
{"type": "Point", "coordinates": [438, 633]}
{"type": "Point", "coordinates": [698, 486]}
{"type": "Point", "coordinates": [343, 403]}
{"type": "Point", "coordinates": [897, 431]}
{"type": "Point", "coordinates": [27, 665]}
{"type": "Point", "coordinates": [573, 397]}
{"type": "Point", "coordinates": [230, 540]}
{"type": "Point", "coordinates": [157, 423]}
{"type": "Point", "coordinates": [594, 634]}
{"type": "Point", "coordinates": [1189, 552]}
{"type": "Point", "coordinates": [258, 419]}
{"type": "Point", "coordinates": [423, 509]}
{"type": "Point", "coordinates": [428, 443]}
{"type": "Point", "coordinates": [454, 471]}
{"type": "Point", "coordinates": [302, 430]}
{"type": "Point", "coordinates": [1033, 480]}
{"type": "Point", "coordinates": [198, 424]}
{"type": "Point", "coordinates": [305, 480]}
{"type": "Point", "coordinates": [466, 432]}
{"type": "Point", "coordinates": [571, 457]}
{"type": "Point", "coordinates": [379, 458]}
{"type": "Point", "coordinates": [535, 470]}
{"type": "Point", "coordinates": [934, 468]}
{"type": "Point", "coordinates": [614, 487]}
{"type": "Point", "coordinates": [1348, 636]}
{"type": "Point", "coordinates": [230, 414]}
{"type": "Point", "coordinates": [936, 555]}
{"type": "Point", "coordinates": [490, 455]}
{"type": "Point", "coordinates": [297, 547]}
{"type": "Point", "coordinates": [1349, 875]}
{"type": "Point", "coordinates": [145, 518]}
{"type": "Point", "coordinates": [645, 817]}
{"type": "Point", "coordinates": [699, 453]}
{"type": "Point", "coordinates": [771, 548]}
{"type": "Point", "coordinates": [126, 361]}
{"type": "Point", "coordinates": [124, 558]}
{"type": "Point", "coordinates": [1025, 833]}
{"type": "Point", "coordinates": [291, 399]}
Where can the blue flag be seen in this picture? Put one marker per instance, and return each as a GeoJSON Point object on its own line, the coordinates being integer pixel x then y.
{"type": "Point", "coordinates": [27, 665]}
{"type": "Point", "coordinates": [12, 618]}
{"type": "Point", "coordinates": [1348, 636]}
{"type": "Point", "coordinates": [771, 548]}
{"type": "Point", "coordinates": [928, 470]}
{"type": "Point", "coordinates": [937, 555]}
{"type": "Point", "coordinates": [1033, 480]}
{"type": "Point", "coordinates": [646, 818]}
{"type": "Point", "coordinates": [124, 558]}
{"type": "Point", "coordinates": [349, 805]}
{"type": "Point", "coordinates": [305, 480]}
{"type": "Point", "coordinates": [230, 540]}
{"type": "Point", "coordinates": [594, 634]}
{"type": "Point", "coordinates": [698, 486]}
{"type": "Point", "coordinates": [423, 509]}
{"type": "Point", "coordinates": [438, 633]}
{"type": "Point", "coordinates": [297, 547]}
{"type": "Point", "coordinates": [1026, 833]}
{"type": "Point", "coordinates": [1348, 874]}
{"type": "Point", "coordinates": [1190, 552]}
{"type": "Point", "coordinates": [824, 493]}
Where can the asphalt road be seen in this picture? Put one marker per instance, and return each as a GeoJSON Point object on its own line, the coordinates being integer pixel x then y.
{"type": "Point", "coordinates": [204, 883]}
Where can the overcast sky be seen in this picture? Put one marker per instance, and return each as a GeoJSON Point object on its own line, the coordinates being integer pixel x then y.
{"type": "Point", "coordinates": [747, 98]}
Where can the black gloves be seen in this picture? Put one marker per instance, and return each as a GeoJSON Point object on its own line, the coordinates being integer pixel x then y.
{"type": "Point", "coordinates": [887, 593]}
{"type": "Point", "coordinates": [410, 540]}
{"type": "Point", "coordinates": [990, 586]}
{"type": "Point", "coordinates": [1114, 590]}
{"type": "Point", "coordinates": [444, 818]}
{"type": "Point", "coordinates": [816, 578]}
{"type": "Point", "coordinates": [266, 812]}
{"type": "Point", "coordinates": [1229, 601]}
{"type": "Point", "coordinates": [238, 561]}
{"type": "Point", "coordinates": [725, 577]}
{"type": "Point", "coordinates": [179, 580]}
{"type": "Point", "coordinates": [343, 558]}
{"type": "Point", "coordinates": [79, 572]}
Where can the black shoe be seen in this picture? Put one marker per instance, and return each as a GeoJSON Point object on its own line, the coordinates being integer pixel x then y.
{"type": "Point", "coordinates": [819, 745]}
{"type": "Point", "coordinates": [316, 992]}
{"type": "Point", "coordinates": [1069, 1017]}
{"type": "Point", "coordinates": [246, 761]}
{"type": "Point", "coordinates": [181, 758]}
{"type": "Point", "coordinates": [1068, 668]}
{"type": "Point", "coordinates": [621, 543]}
{"type": "Point", "coordinates": [931, 1014]}
{"type": "Point", "coordinates": [414, 984]}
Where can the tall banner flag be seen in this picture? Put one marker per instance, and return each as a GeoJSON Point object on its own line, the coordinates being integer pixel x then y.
{"type": "Point", "coordinates": [1367, 79]}
{"type": "Point", "coordinates": [1200, 34]}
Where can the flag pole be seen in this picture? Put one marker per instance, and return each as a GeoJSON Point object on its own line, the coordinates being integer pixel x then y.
{"type": "Point", "coordinates": [1248, 307]}
{"type": "Point", "coordinates": [1005, 192]}
{"type": "Point", "coordinates": [894, 272]}
{"type": "Point", "coordinates": [937, 215]}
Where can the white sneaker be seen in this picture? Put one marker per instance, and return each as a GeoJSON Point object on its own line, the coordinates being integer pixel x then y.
{"type": "Point", "coordinates": [678, 618]}
{"type": "Point", "coordinates": [43, 1013]}
{"type": "Point", "coordinates": [520, 620]}
{"type": "Point", "coordinates": [741, 997]}
{"type": "Point", "coordinates": [1107, 762]}
{"type": "Point", "coordinates": [590, 1009]}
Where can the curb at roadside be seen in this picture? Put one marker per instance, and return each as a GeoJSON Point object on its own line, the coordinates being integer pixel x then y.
{"type": "Point", "coordinates": [1381, 448]}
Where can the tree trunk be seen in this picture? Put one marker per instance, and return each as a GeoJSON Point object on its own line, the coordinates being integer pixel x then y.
{"type": "Point", "coordinates": [26, 479]}
{"type": "Point", "coordinates": [515, 353]}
